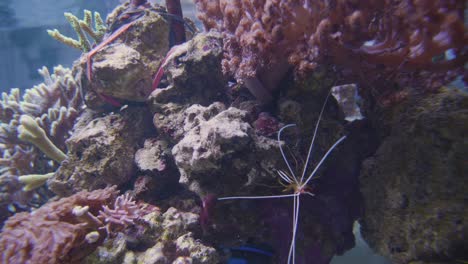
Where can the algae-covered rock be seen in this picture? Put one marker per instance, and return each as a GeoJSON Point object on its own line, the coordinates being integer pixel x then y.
{"type": "Point", "coordinates": [166, 238]}
{"type": "Point", "coordinates": [194, 251]}
{"type": "Point", "coordinates": [124, 68]}
{"type": "Point", "coordinates": [174, 120]}
{"type": "Point", "coordinates": [210, 139]}
{"type": "Point", "coordinates": [157, 173]}
{"type": "Point", "coordinates": [112, 251]}
{"type": "Point", "coordinates": [154, 255]}
{"type": "Point", "coordinates": [221, 143]}
{"type": "Point", "coordinates": [414, 187]}
{"type": "Point", "coordinates": [153, 157]}
{"type": "Point", "coordinates": [219, 153]}
{"type": "Point", "coordinates": [176, 238]}
{"type": "Point", "coordinates": [120, 72]}
{"type": "Point", "coordinates": [194, 73]}
{"type": "Point", "coordinates": [101, 151]}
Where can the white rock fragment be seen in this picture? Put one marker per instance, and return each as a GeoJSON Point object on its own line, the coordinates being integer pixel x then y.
{"type": "Point", "coordinates": [348, 99]}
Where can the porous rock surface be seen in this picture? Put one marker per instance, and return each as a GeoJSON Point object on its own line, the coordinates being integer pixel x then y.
{"type": "Point", "coordinates": [157, 173]}
{"type": "Point", "coordinates": [101, 150]}
{"type": "Point", "coordinates": [194, 77]}
{"type": "Point", "coordinates": [217, 143]}
{"type": "Point", "coordinates": [194, 73]}
{"type": "Point", "coordinates": [124, 68]}
{"type": "Point", "coordinates": [414, 187]}
{"type": "Point", "coordinates": [119, 67]}
{"type": "Point", "coordinates": [153, 157]}
{"type": "Point", "coordinates": [218, 152]}
{"type": "Point", "coordinates": [168, 237]}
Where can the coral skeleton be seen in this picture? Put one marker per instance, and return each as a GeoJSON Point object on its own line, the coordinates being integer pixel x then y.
{"type": "Point", "coordinates": [295, 182]}
{"type": "Point", "coordinates": [80, 27]}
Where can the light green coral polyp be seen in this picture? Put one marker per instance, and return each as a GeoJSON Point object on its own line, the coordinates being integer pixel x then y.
{"type": "Point", "coordinates": [33, 181]}
{"type": "Point", "coordinates": [31, 132]}
{"type": "Point", "coordinates": [80, 27]}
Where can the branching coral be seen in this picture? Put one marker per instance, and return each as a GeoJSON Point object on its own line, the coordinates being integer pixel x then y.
{"type": "Point", "coordinates": [53, 106]}
{"type": "Point", "coordinates": [80, 27]}
{"type": "Point", "coordinates": [16, 160]}
{"type": "Point", "coordinates": [262, 38]}
{"type": "Point", "coordinates": [31, 132]}
{"type": "Point", "coordinates": [33, 181]}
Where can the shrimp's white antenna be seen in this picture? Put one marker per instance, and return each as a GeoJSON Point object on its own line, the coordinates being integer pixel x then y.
{"type": "Point", "coordinates": [313, 137]}
{"type": "Point", "coordinates": [292, 247]}
{"type": "Point", "coordinates": [284, 176]}
{"type": "Point", "coordinates": [323, 159]}
{"type": "Point", "coordinates": [256, 197]}
{"type": "Point", "coordinates": [298, 184]}
{"type": "Point", "coordinates": [282, 151]}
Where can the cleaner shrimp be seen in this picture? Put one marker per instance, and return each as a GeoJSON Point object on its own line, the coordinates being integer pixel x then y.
{"type": "Point", "coordinates": [295, 183]}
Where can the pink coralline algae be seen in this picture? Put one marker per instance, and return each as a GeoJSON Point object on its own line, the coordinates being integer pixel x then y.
{"type": "Point", "coordinates": [266, 125]}
{"type": "Point", "coordinates": [262, 38]}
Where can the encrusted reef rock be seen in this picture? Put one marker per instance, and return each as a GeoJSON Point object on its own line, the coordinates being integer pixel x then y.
{"type": "Point", "coordinates": [194, 77]}
{"type": "Point", "coordinates": [120, 72]}
{"type": "Point", "coordinates": [217, 151]}
{"type": "Point", "coordinates": [101, 150]}
{"type": "Point", "coordinates": [153, 157]}
{"type": "Point", "coordinates": [414, 187]}
{"type": "Point", "coordinates": [124, 68]}
{"type": "Point", "coordinates": [221, 153]}
{"type": "Point", "coordinates": [219, 143]}
{"type": "Point", "coordinates": [168, 237]}
{"type": "Point", "coordinates": [158, 175]}
{"type": "Point", "coordinates": [194, 73]}
{"type": "Point", "coordinates": [149, 34]}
